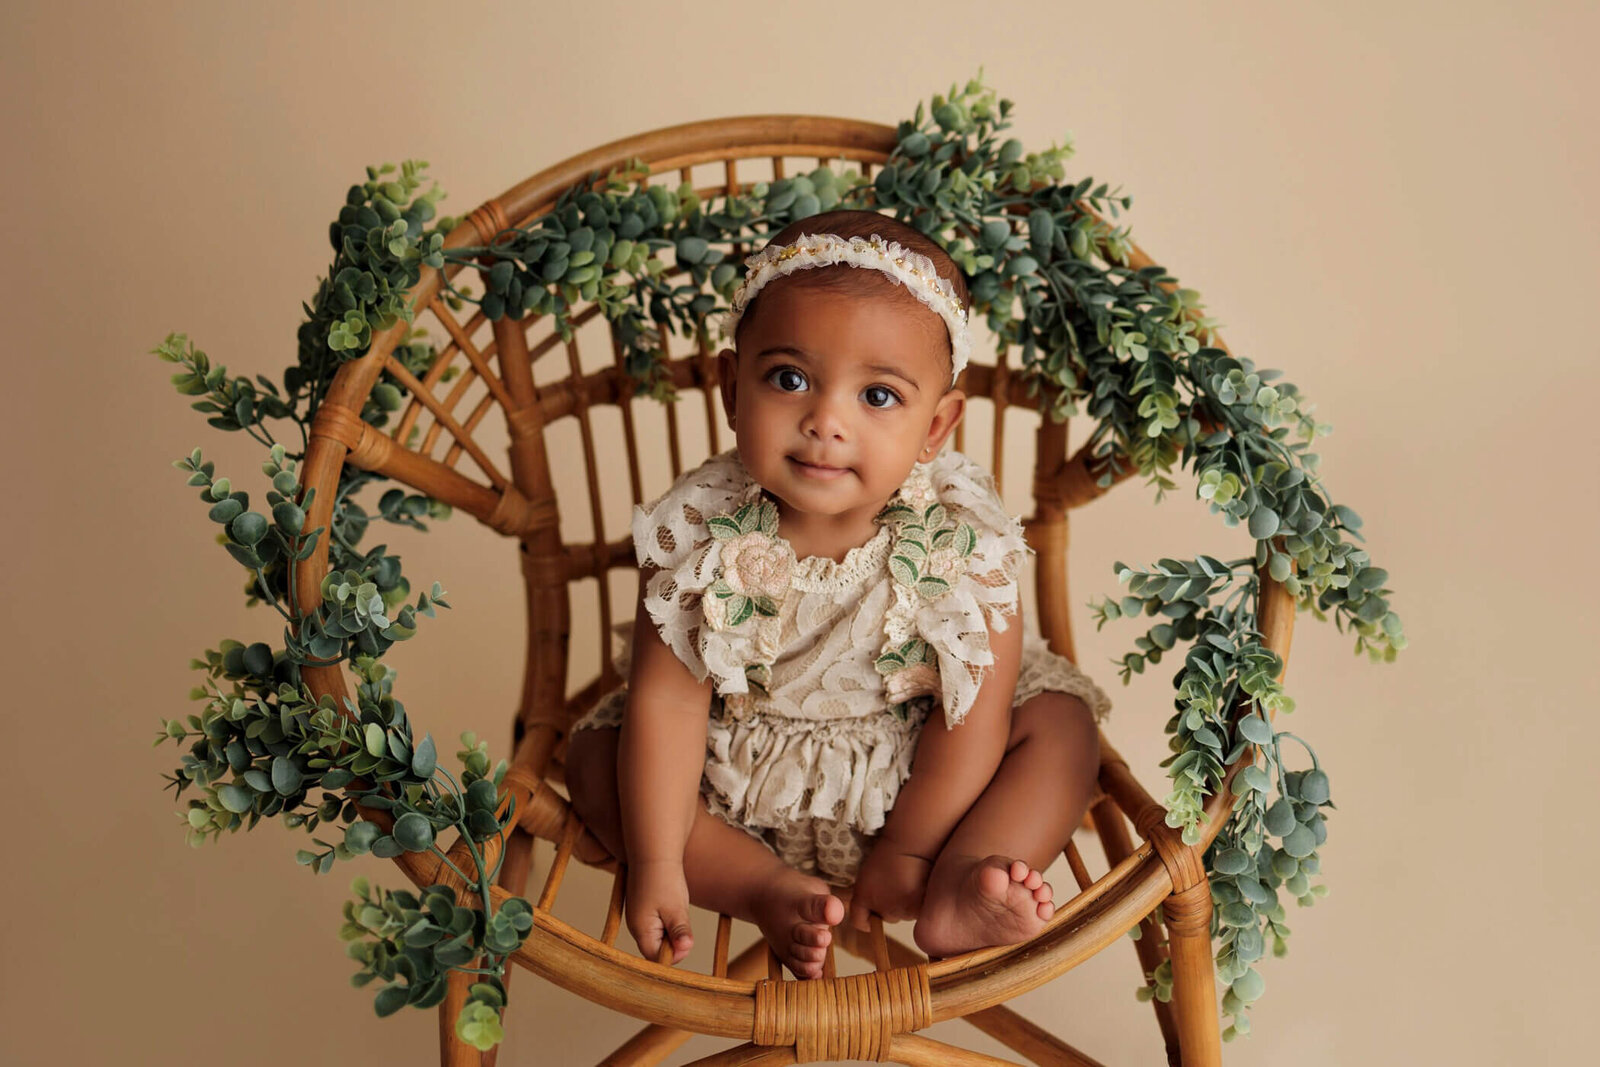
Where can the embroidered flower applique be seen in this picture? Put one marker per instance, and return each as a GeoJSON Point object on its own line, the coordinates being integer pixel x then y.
{"type": "Point", "coordinates": [930, 548]}
{"type": "Point", "coordinates": [909, 672]}
{"type": "Point", "coordinates": [929, 554]}
{"type": "Point", "coordinates": [755, 566]}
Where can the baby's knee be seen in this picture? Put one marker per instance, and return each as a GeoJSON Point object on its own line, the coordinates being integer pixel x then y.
{"type": "Point", "coordinates": [1060, 720]}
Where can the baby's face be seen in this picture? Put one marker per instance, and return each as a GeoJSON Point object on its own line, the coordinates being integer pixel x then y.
{"type": "Point", "coordinates": [836, 396]}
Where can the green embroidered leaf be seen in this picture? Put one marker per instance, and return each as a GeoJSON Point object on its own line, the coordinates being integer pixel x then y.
{"type": "Point", "coordinates": [966, 539]}
{"type": "Point", "coordinates": [739, 609]}
{"type": "Point", "coordinates": [720, 587]}
{"type": "Point", "coordinates": [765, 606]}
{"type": "Point", "coordinates": [915, 551]}
{"type": "Point", "coordinates": [723, 527]}
{"type": "Point", "coordinates": [935, 516]}
{"type": "Point", "coordinates": [890, 662]}
{"type": "Point", "coordinates": [767, 519]}
{"type": "Point", "coordinates": [915, 651]}
{"type": "Point", "coordinates": [940, 536]}
{"type": "Point", "coordinates": [903, 570]}
{"type": "Point", "coordinates": [899, 711]}
{"type": "Point", "coordinates": [933, 587]}
{"type": "Point", "coordinates": [896, 514]}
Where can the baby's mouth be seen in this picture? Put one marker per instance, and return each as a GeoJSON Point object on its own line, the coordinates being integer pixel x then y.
{"type": "Point", "coordinates": [817, 470]}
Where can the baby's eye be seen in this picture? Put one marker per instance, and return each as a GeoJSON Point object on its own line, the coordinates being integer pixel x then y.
{"type": "Point", "coordinates": [880, 396]}
{"type": "Point", "coordinates": [788, 379]}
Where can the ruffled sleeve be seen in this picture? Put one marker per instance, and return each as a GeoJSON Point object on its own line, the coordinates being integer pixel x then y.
{"type": "Point", "coordinates": [672, 537]}
{"type": "Point", "coordinates": [982, 583]}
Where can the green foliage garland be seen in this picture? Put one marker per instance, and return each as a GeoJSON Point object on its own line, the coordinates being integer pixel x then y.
{"type": "Point", "coordinates": [1100, 338]}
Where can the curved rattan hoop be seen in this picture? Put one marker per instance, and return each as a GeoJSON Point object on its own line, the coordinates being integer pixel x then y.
{"type": "Point", "coordinates": [873, 1015]}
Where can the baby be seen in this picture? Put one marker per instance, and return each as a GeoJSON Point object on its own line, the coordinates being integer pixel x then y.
{"type": "Point", "coordinates": [806, 601]}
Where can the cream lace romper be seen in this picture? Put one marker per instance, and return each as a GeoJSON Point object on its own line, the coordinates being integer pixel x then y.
{"type": "Point", "coordinates": [825, 671]}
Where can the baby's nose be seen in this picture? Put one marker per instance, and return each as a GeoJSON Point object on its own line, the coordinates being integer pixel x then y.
{"type": "Point", "coordinates": [825, 418]}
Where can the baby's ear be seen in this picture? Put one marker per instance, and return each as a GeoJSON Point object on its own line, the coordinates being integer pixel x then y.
{"type": "Point", "coordinates": [728, 381]}
{"type": "Point", "coordinates": [946, 414]}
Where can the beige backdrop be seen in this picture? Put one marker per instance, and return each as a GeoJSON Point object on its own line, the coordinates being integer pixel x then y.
{"type": "Point", "coordinates": [1382, 199]}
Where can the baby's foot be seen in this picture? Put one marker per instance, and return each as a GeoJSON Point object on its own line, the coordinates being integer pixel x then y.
{"type": "Point", "coordinates": [795, 912]}
{"type": "Point", "coordinates": [974, 903]}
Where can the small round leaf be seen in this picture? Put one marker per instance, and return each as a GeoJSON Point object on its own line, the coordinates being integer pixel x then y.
{"type": "Point", "coordinates": [413, 831]}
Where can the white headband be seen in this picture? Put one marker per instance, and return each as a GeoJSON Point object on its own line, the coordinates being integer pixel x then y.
{"type": "Point", "coordinates": [911, 269]}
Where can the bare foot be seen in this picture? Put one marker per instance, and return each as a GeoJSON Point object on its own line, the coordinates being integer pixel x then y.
{"type": "Point", "coordinates": [973, 903]}
{"type": "Point", "coordinates": [795, 912]}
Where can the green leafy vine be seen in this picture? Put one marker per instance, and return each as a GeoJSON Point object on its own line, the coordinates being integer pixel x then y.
{"type": "Point", "coordinates": [1050, 277]}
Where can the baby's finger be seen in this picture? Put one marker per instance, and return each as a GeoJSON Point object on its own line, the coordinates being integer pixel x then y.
{"type": "Point", "coordinates": [648, 939]}
{"type": "Point", "coordinates": [678, 942]}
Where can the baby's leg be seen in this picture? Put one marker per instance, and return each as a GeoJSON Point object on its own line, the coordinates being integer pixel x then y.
{"type": "Point", "coordinates": [727, 870]}
{"type": "Point", "coordinates": [986, 887]}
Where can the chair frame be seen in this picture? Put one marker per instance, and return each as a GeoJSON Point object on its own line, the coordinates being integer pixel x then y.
{"type": "Point", "coordinates": [1158, 885]}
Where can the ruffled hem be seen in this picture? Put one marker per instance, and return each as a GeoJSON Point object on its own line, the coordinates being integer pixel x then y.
{"type": "Point", "coordinates": [771, 772]}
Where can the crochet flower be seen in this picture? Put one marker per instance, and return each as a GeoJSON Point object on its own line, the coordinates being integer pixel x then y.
{"type": "Point", "coordinates": [918, 492]}
{"type": "Point", "coordinates": [755, 565]}
{"type": "Point", "coordinates": [944, 563]}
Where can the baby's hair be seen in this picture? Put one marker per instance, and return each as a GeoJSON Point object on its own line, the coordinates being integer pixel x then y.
{"type": "Point", "coordinates": [844, 278]}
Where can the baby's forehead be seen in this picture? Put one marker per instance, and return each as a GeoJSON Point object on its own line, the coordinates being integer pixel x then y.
{"type": "Point", "coordinates": [921, 339]}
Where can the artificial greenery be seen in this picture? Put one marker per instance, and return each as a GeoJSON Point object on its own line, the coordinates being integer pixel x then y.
{"type": "Point", "coordinates": [1096, 336]}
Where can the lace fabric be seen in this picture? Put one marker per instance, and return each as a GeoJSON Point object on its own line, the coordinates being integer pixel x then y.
{"type": "Point", "coordinates": [824, 671]}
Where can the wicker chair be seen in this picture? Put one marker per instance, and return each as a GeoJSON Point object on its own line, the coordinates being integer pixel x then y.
{"type": "Point", "coordinates": [871, 1015]}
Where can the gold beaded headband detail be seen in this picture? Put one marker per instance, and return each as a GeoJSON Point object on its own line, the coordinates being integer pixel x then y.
{"type": "Point", "coordinates": [911, 269]}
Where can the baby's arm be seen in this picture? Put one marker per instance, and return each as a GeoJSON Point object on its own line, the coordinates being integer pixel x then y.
{"type": "Point", "coordinates": [948, 774]}
{"type": "Point", "coordinates": [660, 757]}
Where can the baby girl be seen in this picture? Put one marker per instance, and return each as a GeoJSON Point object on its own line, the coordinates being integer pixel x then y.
{"type": "Point", "coordinates": [806, 600]}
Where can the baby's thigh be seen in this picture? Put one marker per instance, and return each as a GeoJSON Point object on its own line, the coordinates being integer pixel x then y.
{"type": "Point", "coordinates": [1060, 722]}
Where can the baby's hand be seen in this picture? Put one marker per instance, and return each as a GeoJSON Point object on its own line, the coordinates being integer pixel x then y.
{"type": "Point", "coordinates": [890, 882]}
{"type": "Point", "coordinates": [658, 907]}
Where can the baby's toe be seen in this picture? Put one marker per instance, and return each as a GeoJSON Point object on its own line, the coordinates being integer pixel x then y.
{"type": "Point", "coordinates": [808, 953]}
{"type": "Point", "coordinates": [1034, 880]}
{"type": "Point", "coordinates": [805, 968]}
{"type": "Point", "coordinates": [1043, 892]}
{"type": "Point", "coordinates": [824, 908]}
{"type": "Point", "coordinates": [812, 935]}
{"type": "Point", "coordinates": [1019, 871]}
{"type": "Point", "coordinates": [1045, 910]}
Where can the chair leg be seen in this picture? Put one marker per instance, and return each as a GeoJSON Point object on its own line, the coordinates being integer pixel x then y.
{"type": "Point", "coordinates": [454, 1052]}
{"type": "Point", "coordinates": [655, 1042]}
{"type": "Point", "coordinates": [918, 1051]}
{"type": "Point", "coordinates": [1194, 984]}
{"type": "Point", "coordinates": [1031, 1040]}
{"type": "Point", "coordinates": [650, 1045]}
{"type": "Point", "coordinates": [1113, 830]}
{"type": "Point", "coordinates": [748, 1054]}
{"type": "Point", "coordinates": [514, 870]}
